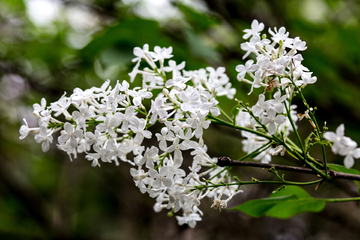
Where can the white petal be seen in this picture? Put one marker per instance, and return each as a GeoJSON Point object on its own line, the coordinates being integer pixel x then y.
{"type": "Point", "coordinates": [340, 130]}
{"type": "Point", "coordinates": [348, 161]}
{"type": "Point", "coordinates": [157, 183]}
{"type": "Point", "coordinates": [272, 128]}
{"type": "Point", "coordinates": [45, 146]}
{"type": "Point", "coordinates": [356, 153]}
{"type": "Point", "coordinates": [68, 127]}
{"type": "Point", "coordinates": [271, 113]}
{"type": "Point", "coordinates": [153, 173]}
{"type": "Point", "coordinates": [280, 119]}
{"type": "Point", "coordinates": [147, 134]}
{"type": "Point", "coordinates": [330, 136]}
{"type": "Point", "coordinates": [167, 182]}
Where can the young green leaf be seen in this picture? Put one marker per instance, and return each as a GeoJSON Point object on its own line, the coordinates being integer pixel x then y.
{"type": "Point", "coordinates": [283, 204]}
{"type": "Point", "coordinates": [258, 207]}
{"type": "Point", "coordinates": [292, 207]}
{"type": "Point", "coordinates": [291, 190]}
{"type": "Point", "coordinates": [343, 169]}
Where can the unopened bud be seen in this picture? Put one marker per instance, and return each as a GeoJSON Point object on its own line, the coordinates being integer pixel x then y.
{"type": "Point", "coordinates": [258, 46]}
{"type": "Point", "coordinates": [165, 92]}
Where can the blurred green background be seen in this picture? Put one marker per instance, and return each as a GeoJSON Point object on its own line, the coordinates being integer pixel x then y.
{"type": "Point", "coordinates": [50, 47]}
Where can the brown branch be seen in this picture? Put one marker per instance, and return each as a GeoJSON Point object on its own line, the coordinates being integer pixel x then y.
{"type": "Point", "coordinates": [225, 161]}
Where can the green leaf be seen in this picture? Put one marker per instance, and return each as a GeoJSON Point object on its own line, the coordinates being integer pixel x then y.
{"type": "Point", "coordinates": [258, 207]}
{"type": "Point", "coordinates": [291, 207]}
{"type": "Point", "coordinates": [291, 190]}
{"type": "Point", "coordinates": [340, 168]}
{"type": "Point", "coordinates": [283, 204]}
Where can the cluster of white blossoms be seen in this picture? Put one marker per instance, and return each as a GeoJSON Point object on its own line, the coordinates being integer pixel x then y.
{"type": "Point", "coordinates": [277, 66]}
{"type": "Point", "coordinates": [343, 145]}
{"type": "Point", "coordinates": [171, 109]}
{"type": "Point", "coordinates": [110, 125]}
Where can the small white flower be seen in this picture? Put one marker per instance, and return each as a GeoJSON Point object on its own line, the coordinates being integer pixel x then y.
{"type": "Point", "coordinates": [109, 124]}
{"type": "Point", "coordinates": [248, 68]}
{"type": "Point", "coordinates": [140, 53]}
{"type": "Point", "coordinates": [277, 102]}
{"type": "Point", "coordinates": [45, 138]}
{"type": "Point", "coordinates": [25, 130]}
{"type": "Point", "coordinates": [256, 27]}
{"type": "Point", "coordinates": [261, 106]}
{"type": "Point", "coordinates": [39, 108]}
{"type": "Point", "coordinates": [189, 218]}
{"type": "Point", "coordinates": [350, 155]}
{"type": "Point", "coordinates": [70, 134]}
{"type": "Point", "coordinates": [161, 53]}
{"type": "Point", "coordinates": [160, 178]}
{"type": "Point", "coordinates": [83, 114]}
{"type": "Point", "coordinates": [339, 140]}
{"type": "Point", "coordinates": [273, 120]}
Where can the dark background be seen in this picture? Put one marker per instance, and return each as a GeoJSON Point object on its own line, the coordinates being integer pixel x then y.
{"type": "Point", "coordinates": [45, 196]}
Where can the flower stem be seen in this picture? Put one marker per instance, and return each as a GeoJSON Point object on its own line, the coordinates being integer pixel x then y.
{"type": "Point", "coordinates": [224, 123]}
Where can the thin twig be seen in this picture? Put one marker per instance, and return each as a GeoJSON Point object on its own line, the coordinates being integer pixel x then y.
{"type": "Point", "coordinates": [225, 161]}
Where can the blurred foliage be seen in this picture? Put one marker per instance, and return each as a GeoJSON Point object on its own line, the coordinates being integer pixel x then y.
{"type": "Point", "coordinates": [44, 196]}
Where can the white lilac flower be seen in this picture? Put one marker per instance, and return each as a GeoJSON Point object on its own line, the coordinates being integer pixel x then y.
{"type": "Point", "coordinates": [175, 69]}
{"type": "Point", "coordinates": [165, 135]}
{"type": "Point", "coordinates": [226, 91]}
{"type": "Point", "coordinates": [109, 124]}
{"type": "Point", "coordinates": [25, 130]}
{"type": "Point", "coordinates": [248, 68]}
{"type": "Point", "coordinates": [127, 118]}
{"type": "Point", "coordinates": [210, 106]}
{"type": "Point", "coordinates": [256, 27]}
{"type": "Point", "coordinates": [161, 53]}
{"type": "Point", "coordinates": [273, 120]}
{"type": "Point", "coordinates": [299, 45]}
{"type": "Point", "coordinates": [100, 154]}
{"type": "Point", "coordinates": [140, 53]}
{"type": "Point", "coordinates": [280, 35]}
{"type": "Point", "coordinates": [350, 154]}
{"type": "Point", "coordinates": [249, 47]}
{"type": "Point", "coordinates": [44, 137]}
{"type": "Point", "coordinates": [117, 150]}
{"type": "Point", "coordinates": [306, 79]}
{"type": "Point", "coordinates": [82, 115]}
{"type": "Point", "coordinates": [97, 139]}
{"type": "Point", "coordinates": [138, 96]}
{"type": "Point", "coordinates": [176, 147]}
{"type": "Point", "coordinates": [140, 132]}
{"type": "Point", "coordinates": [151, 156]}
{"type": "Point", "coordinates": [61, 106]}
{"type": "Point", "coordinates": [339, 140]}
{"type": "Point", "coordinates": [140, 178]}
{"type": "Point", "coordinates": [343, 145]}
{"type": "Point", "coordinates": [134, 72]}
{"type": "Point", "coordinates": [261, 106]}
{"type": "Point", "coordinates": [277, 102]}
{"type": "Point", "coordinates": [39, 108]}
{"type": "Point", "coordinates": [160, 178]}
{"type": "Point", "coordinates": [191, 100]}
{"type": "Point", "coordinates": [178, 83]}
{"type": "Point", "coordinates": [69, 133]}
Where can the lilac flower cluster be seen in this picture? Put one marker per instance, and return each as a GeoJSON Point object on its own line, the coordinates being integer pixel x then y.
{"type": "Point", "coordinates": [278, 65]}
{"type": "Point", "coordinates": [109, 124]}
